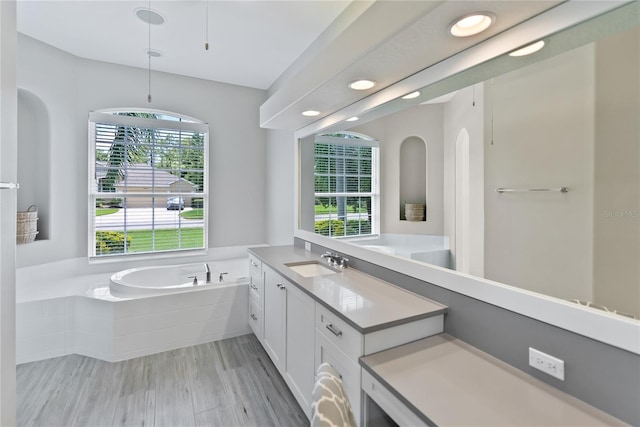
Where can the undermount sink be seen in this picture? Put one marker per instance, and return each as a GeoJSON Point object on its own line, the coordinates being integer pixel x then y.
{"type": "Point", "coordinates": [310, 269]}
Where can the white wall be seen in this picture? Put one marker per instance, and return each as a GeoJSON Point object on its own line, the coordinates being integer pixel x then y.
{"type": "Point", "coordinates": [280, 177]}
{"type": "Point", "coordinates": [542, 137]}
{"type": "Point", "coordinates": [461, 113]}
{"type": "Point", "coordinates": [617, 173]}
{"type": "Point", "coordinates": [70, 87]}
{"type": "Point", "coordinates": [424, 122]}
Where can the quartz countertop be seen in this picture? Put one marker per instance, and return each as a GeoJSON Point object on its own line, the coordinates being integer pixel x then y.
{"type": "Point", "coordinates": [368, 304]}
{"type": "Point", "coordinates": [445, 381]}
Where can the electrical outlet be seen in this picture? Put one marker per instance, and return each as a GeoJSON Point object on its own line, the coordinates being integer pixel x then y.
{"type": "Point", "coordinates": [547, 364]}
{"type": "Point", "coordinates": [307, 246]}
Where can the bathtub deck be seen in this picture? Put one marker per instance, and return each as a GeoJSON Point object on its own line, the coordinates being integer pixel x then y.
{"type": "Point", "coordinates": [224, 383]}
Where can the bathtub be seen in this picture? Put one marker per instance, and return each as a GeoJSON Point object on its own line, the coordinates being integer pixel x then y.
{"type": "Point", "coordinates": [159, 280]}
{"type": "Point", "coordinates": [68, 307]}
{"type": "Point", "coordinates": [431, 249]}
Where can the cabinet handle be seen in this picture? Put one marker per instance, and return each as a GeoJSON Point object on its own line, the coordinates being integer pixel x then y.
{"type": "Point", "coordinates": [254, 287]}
{"type": "Point", "coordinates": [279, 285]}
{"type": "Point", "coordinates": [335, 331]}
{"type": "Point", "coordinates": [253, 264]}
{"type": "Point", "coordinates": [253, 316]}
{"type": "Point", "coordinates": [283, 287]}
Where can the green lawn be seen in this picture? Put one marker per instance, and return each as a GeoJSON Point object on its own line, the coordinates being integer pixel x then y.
{"type": "Point", "coordinates": [197, 213]}
{"type": "Point", "coordinates": [321, 209]}
{"type": "Point", "coordinates": [106, 211]}
{"type": "Point", "coordinates": [186, 238]}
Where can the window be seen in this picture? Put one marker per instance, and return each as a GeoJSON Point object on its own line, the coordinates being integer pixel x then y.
{"type": "Point", "coordinates": [346, 185]}
{"type": "Point", "coordinates": [148, 183]}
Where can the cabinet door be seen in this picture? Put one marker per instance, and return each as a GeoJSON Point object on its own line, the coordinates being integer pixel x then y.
{"type": "Point", "coordinates": [274, 316]}
{"type": "Point", "coordinates": [300, 345]}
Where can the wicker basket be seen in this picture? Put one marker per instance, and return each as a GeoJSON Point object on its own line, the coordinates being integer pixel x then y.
{"type": "Point", "coordinates": [414, 211]}
{"type": "Point", "coordinates": [27, 225]}
{"type": "Point", "coordinates": [26, 238]}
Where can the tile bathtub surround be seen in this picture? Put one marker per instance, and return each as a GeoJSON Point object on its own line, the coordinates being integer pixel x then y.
{"type": "Point", "coordinates": [113, 330]}
{"type": "Point", "coordinates": [228, 382]}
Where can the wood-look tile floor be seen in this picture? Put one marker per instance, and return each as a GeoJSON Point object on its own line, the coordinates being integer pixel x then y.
{"type": "Point", "coordinates": [225, 383]}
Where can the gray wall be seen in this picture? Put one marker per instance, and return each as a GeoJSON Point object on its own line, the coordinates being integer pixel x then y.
{"type": "Point", "coordinates": [70, 87]}
{"type": "Point", "coordinates": [599, 374]}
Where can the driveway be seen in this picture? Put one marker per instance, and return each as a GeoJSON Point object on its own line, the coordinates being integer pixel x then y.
{"type": "Point", "coordinates": [145, 218]}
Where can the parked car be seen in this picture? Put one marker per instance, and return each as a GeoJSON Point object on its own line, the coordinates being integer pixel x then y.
{"type": "Point", "coordinates": [175, 203]}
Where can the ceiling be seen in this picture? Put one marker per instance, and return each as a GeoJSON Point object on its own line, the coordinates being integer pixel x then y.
{"type": "Point", "coordinates": [251, 43]}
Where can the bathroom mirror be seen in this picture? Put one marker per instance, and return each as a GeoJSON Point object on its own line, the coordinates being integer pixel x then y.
{"type": "Point", "coordinates": [533, 172]}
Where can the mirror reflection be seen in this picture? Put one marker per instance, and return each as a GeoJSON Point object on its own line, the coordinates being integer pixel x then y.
{"type": "Point", "coordinates": [530, 178]}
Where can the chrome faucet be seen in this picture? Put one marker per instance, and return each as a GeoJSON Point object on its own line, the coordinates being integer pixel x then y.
{"type": "Point", "coordinates": [208, 272]}
{"type": "Point", "coordinates": [335, 259]}
{"type": "Point", "coordinates": [221, 277]}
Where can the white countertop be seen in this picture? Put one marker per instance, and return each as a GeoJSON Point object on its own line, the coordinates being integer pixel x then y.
{"type": "Point", "coordinates": [365, 302]}
{"type": "Point", "coordinates": [445, 381]}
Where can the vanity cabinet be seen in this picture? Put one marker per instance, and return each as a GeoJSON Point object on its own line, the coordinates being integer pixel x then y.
{"type": "Point", "coordinates": [256, 291]}
{"type": "Point", "coordinates": [288, 334]}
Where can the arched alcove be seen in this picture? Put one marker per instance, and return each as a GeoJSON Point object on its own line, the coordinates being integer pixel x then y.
{"type": "Point", "coordinates": [34, 159]}
{"type": "Point", "coordinates": [413, 174]}
{"type": "Point", "coordinates": [462, 209]}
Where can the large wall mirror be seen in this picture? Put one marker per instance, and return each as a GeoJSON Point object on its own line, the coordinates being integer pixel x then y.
{"type": "Point", "coordinates": [532, 175]}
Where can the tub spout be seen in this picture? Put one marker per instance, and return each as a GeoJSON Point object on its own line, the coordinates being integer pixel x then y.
{"type": "Point", "coordinates": [208, 272]}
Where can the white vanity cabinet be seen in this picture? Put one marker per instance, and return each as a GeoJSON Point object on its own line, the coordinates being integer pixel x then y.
{"type": "Point", "coordinates": [256, 291]}
{"type": "Point", "coordinates": [288, 334]}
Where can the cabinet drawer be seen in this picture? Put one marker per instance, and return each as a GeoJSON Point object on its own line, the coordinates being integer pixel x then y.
{"type": "Point", "coordinates": [348, 369]}
{"type": "Point", "coordinates": [343, 336]}
{"type": "Point", "coordinates": [256, 282]}
{"type": "Point", "coordinates": [256, 319]}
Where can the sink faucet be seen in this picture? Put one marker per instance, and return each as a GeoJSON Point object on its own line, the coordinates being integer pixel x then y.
{"type": "Point", "coordinates": [208, 272]}
{"type": "Point", "coordinates": [335, 259]}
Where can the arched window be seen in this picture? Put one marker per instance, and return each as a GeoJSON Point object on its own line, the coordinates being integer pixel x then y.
{"type": "Point", "coordinates": [346, 184]}
{"type": "Point", "coordinates": [148, 182]}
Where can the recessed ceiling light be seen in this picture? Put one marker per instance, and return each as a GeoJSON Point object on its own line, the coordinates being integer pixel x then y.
{"type": "Point", "coordinates": [362, 84]}
{"type": "Point", "coordinates": [352, 119]}
{"type": "Point", "coordinates": [528, 49]}
{"type": "Point", "coordinates": [412, 95]}
{"type": "Point", "coordinates": [311, 113]}
{"type": "Point", "coordinates": [471, 24]}
{"type": "Point", "coordinates": [150, 16]}
{"type": "Point", "coordinates": [153, 53]}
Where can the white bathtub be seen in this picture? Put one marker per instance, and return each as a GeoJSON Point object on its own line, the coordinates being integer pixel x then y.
{"type": "Point", "coordinates": [160, 280]}
{"type": "Point", "coordinates": [67, 308]}
{"type": "Point", "coordinates": [431, 249]}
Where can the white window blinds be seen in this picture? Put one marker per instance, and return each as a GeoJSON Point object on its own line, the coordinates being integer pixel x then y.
{"type": "Point", "coordinates": [148, 179]}
{"type": "Point", "coordinates": [346, 186]}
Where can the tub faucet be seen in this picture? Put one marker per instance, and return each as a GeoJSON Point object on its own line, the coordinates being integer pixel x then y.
{"type": "Point", "coordinates": [208, 273]}
{"type": "Point", "coordinates": [221, 278]}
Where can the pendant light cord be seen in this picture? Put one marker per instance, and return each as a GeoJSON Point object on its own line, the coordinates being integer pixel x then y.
{"type": "Point", "coordinates": [149, 56]}
{"type": "Point", "coordinates": [206, 26]}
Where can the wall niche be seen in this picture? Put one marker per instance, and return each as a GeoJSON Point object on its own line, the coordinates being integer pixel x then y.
{"type": "Point", "coordinates": [34, 159]}
{"type": "Point", "coordinates": [413, 179]}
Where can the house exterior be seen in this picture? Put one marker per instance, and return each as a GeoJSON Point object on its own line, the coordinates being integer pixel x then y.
{"type": "Point", "coordinates": [143, 178]}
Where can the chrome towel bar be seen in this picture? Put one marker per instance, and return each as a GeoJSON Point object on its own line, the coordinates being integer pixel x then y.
{"type": "Point", "coordinates": [532, 190]}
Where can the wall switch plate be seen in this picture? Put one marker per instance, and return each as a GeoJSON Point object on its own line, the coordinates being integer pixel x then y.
{"type": "Point", "coordinates": [547, 364]}
{"type": "Point", "coordinates": [307, 246]}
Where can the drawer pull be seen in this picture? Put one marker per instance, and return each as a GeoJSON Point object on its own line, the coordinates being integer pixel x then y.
{"type": "Point", "coordinates": [335, 331]}
{"type": "Point", "coordinates": [254, 264]}
{"type": "Point", "coordinates": [279, 285]}
{"type": "Point", "coordinates": [254, 287]}
{"type": "Point", "coordinates": [253, 316]}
